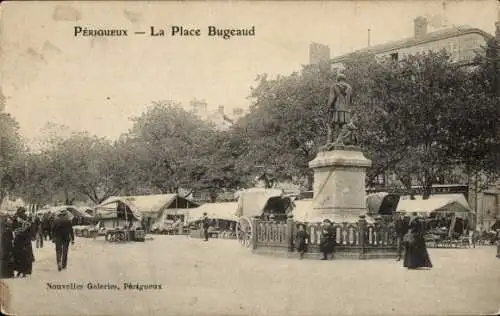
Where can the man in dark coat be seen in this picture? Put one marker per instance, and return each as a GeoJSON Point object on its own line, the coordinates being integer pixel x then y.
{"type": "Point", "coordinates": [401, 227]}
{"type": "Point", "coordinates": [328, 239]}
{"type": "Point", "coordinates": [205, 222]}
{"type": "Point", "coordinates": [62, 234]}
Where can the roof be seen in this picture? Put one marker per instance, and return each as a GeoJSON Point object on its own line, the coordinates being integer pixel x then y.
{"type": "Point", "coordinates": [142, 204]}
{"type": "Point", "coordinates": [413, 41]}
{"type": "Point", "coordinates": [225, 211]}
{"type": "Point", "coordinates": [437, 203]}
{"type": "Point", "coordinates": [151, 203]}
{"type": "Point", "coordinates": [374, 201]}
{"type": "Point", "coordinates": [108, 208]}
{"type": "Point", "coordinates": [251, 202]}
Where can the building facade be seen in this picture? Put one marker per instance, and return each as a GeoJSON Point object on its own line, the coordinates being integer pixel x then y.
{"type": "Point", "coordinates": [219, 117]}
{"type": "Point", "coordinates": [463, 43]}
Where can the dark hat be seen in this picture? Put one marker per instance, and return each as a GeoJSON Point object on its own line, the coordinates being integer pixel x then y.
{"type": "Point", "coordinates": [327, 221]}
{"type": "Point", "coordinates": [21, 210]}
{"type": "Point", "coordinates": [301, 224]}
{"type": "Point", "coordinates": [205, 213]}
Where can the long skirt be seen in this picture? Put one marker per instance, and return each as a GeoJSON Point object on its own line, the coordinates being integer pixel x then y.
{"type": "Point", "coordinates": [23, 256]}
{"type": "Point", "coordinates": [416, 255]}
{"type": "Point", "coordinates": [327, 246]}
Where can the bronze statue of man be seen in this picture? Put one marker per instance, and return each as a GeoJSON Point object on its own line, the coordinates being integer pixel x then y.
{"type": "Point", "coordinates": [339, 107]}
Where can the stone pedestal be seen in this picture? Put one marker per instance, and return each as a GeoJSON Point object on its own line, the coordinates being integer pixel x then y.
{"type": "Point", "coordinates": [339, 184]}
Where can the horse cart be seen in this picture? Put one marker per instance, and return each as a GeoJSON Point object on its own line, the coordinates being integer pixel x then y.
{"type": "Point", "coordinates": [261, 204]}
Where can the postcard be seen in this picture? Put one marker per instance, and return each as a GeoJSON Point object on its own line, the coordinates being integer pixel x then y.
{"type": "Point", "coordinates": [250, 158]}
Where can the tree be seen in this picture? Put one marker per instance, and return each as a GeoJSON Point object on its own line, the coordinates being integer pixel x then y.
{"type": "Point", "coordinates": [417, 117]}
{"type": "Point", "coordinates": [11, 148]}
{"type": "Point", "coordinates": [169, 143]}
{"type": "Point", "coordinates": [286, 123]}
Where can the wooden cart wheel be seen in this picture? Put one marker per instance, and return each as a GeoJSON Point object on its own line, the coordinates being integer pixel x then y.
{"type": "Point", "coordinates": [244, 231]}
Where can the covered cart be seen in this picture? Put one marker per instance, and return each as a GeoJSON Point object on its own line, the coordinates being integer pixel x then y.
{"type": "Point", "coordinates": [260, 203]}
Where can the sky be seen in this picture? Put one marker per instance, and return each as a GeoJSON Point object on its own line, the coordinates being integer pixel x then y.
{"type": "Point", "coordinates": [98, 84]}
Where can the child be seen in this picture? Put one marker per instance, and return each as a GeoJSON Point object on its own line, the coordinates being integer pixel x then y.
{"type": "Point", "coordinates": [301, 240]}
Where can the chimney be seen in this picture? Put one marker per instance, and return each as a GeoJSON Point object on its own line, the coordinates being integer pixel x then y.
{"type": "Point", "coordinates": [420, 24]}
{"type": "Point", "coordinates": [221, 109]}
{"type": "Point", "coordinates": [318, 53]}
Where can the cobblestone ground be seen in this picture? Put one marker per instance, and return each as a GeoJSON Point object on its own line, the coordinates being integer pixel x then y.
{"type": "Point", "coordinates": [222, 278]}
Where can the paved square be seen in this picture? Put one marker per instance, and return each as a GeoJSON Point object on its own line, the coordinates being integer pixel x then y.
{"type": "Point", "coordinates": [222, 278]}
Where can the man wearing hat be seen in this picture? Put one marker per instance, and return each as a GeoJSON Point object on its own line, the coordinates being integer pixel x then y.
{"type": "Point", "coordinates": [205, 224]}
{"type": "Point", "coordinates": [62, 234]}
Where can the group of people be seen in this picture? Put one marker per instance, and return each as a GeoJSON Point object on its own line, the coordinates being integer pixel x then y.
{"type": "Point", "coordinates": [410, 232]}
{"type": "Point", "coordinates": [19, 231]}
{"type": "Point", "coordinates": [326, 245]}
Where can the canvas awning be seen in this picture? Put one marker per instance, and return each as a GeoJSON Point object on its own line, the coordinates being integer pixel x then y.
{"type": "Point", "coordinates": [224, 211]}
{"type": "Point", "coordinates": [452, 203]}
{"type": "Point", "coordinates": [109, 208]}
{"type": "Point", "coordinates": [145, 205]}
{"type": "Point", "coordinates": [251, 202]}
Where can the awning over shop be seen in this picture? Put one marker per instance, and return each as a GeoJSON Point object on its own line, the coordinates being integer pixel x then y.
{"type": "Point", "coordinates": [144, 205]}
{"type": "Point", "coordinates": [452, 203]}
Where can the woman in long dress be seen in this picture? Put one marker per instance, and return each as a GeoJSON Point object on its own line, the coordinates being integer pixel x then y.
{"type": "Point", "coordinates": [416, 255]}
{"type": "Point", "coordinates": [23, 249]}
{"type": "Point", "coordinates": [6, 248]}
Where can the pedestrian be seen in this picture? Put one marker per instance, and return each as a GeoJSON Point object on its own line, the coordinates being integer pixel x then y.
{"type": "Point", "coordinates": [23, 250]}
{"type": "Point", "coordinates": [38, 231]}
{"type": "Point", "coordinates": [62, 234]}
{"type": "Point", "coordinates": [328, 239]}
{"type": "Point", "coordinates": [205, 222]}
{"type": "Point", "coordinates": [6, 248]}
{"type": "Point", "coordinates": [416, 255]}
{"type": "Point", "coordinates": [401, 228]}
{"type": "Point", "coordinates": [301, 240]}
{"type": "Point", "coordinates": [47, 224]}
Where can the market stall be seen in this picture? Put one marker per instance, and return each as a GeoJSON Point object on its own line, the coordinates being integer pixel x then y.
{"type": "Point", "coordinates": [223, 219]}
{"type": "Point", "coordinates": [449, 219]}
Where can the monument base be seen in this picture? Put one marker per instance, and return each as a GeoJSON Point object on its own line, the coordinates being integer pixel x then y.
{"type": "Point", "coordinates": [339, 185]}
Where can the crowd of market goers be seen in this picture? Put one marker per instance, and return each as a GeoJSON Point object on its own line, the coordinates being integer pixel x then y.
{"type": "Point", "coordinates": [18, 231]}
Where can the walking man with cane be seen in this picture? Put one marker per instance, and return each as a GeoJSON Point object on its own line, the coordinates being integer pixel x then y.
{"type": "Point", "coordinates": [62, 234]}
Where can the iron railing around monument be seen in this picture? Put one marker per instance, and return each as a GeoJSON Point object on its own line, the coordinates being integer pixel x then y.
{"type": "Point", "coordinates": [359, 239]}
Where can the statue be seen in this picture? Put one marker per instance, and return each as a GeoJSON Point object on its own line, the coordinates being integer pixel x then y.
{"type": "Point", "coordinates": [340, 117]}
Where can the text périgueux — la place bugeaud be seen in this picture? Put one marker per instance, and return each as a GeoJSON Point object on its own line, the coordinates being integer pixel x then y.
{"type": "Point", "coordinates": [172, 31]}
